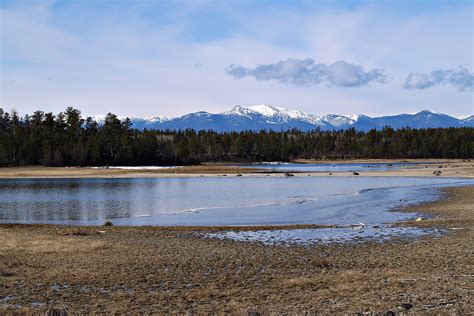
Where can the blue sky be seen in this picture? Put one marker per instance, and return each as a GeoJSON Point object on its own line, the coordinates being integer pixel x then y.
{"type": "Point", "coordinates": [143, 58]}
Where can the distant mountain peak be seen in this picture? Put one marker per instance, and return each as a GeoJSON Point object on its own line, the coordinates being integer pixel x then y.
{"type": "Point", "coordinates": [337, 120]}
{"type": "Point", "coordinates": [262, 109]}
{"type": "Point", "coordinates": [157, 118]}
{"type": "Point", "coordinates": [274, 115]}
{"type": "Point", "coordinates": [266, 109]}
{"type": "Point", "coordinates": [425, 112]}
{"type": "Point", "coordinates": [264, 116]}
{"type": "Point", "coordinates": [357, 117]}
{"type": "Point", "coordinates": [241, 111]}
{"type": "Point", "coordinates": [200, 113]}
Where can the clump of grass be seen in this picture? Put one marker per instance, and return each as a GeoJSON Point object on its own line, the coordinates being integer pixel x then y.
{"type": "Point", "coordinates": [80, 232]}
{"type": "Point", "coordinates": [55, 312]}
{"type": "Point", "coordinates": [108, 223]}
{"type": "Point", "coordinates": [321, 263]}
{"type": "Point", "coordinates": [307, 282]}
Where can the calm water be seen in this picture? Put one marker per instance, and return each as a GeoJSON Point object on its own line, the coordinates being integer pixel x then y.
{"type": "Point", "coordinates": [214, 201]}
{"type": "Point", "coordinates": [326, 167]}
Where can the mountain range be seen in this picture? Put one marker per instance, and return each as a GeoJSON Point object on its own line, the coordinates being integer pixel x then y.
{"type": "Point", "coordinates": [269, 117]}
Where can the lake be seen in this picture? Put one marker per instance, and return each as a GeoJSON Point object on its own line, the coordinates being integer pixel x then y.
{"type": "Point", "coordinates": [215, 200]}
{"type": "Point", "coordinates": [328, 167]}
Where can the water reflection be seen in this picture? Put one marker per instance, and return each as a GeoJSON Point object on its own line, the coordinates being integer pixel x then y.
{"type": "Point", "coordinates": [213, 201]}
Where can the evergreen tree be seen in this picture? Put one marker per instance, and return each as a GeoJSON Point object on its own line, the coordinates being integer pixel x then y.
{"type": "Point", "coordinates": [67, 139]}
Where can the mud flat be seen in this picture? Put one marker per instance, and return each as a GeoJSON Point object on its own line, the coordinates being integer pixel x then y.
{"type": "Point", "coordinates": [176, 269]}
{"type": "Point", "coordinates": [424, 168]}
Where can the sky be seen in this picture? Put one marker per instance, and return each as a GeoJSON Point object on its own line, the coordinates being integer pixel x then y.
{"type": "Point", "coordinates": [144, 58]}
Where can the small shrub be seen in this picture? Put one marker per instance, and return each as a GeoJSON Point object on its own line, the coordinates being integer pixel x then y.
{"type": "Point", "coordinates": [108, 223]}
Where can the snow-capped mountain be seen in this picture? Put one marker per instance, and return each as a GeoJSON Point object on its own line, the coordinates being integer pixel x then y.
{"type": "Point", "coordinates": [468, 121]}
{"type": "Point", "coordinates": [137, 122]}
{"type": "Point", "coordinates": [275, 115]}
{"type": "Point", "coordinates": [148, 122]}
{"type": "Point", "coordinates": [269, 117]}
{"type": "Point", "coordinates": [242, 118]}
{"type": "Point", "coordinates": [339, 121]}
{"type": "Point", "coordinates": [423, 119]}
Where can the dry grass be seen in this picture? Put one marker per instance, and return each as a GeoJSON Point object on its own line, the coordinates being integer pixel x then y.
{"type": "Point", "coordinates": [455, 210]}
{"type": "Point", "coordinates": [83, 172]}
{"type": "Point", "coordinates": [344, 278]}
{"type": "Point", "coordinates": [46, 244]}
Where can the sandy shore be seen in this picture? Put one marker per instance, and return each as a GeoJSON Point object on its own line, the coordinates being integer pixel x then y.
{"type": "Point", "coordinates": [144, 269]}
{"type": "Point", "coordinates": [447, 168]}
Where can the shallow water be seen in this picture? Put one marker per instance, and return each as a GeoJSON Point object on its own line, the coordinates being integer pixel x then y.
{"type": "Point", "coordinates": [215, 201]}
{"type": "Point", "coordinates": [327, 167]}
{"type": "Point", "coordinates": [326, 235]}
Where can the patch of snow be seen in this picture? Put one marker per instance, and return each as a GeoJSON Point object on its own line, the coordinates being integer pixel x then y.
{"type": "Point", "coordinates": [264, 109]}
{"type": "Point", "coordinates": [354, 117]}
{"type": "Point", "coordinates": [99, 118]}
{"type": "Point", "coordinates": [158, 118]}
{"type": "Point", "coordinates": [338, 120]}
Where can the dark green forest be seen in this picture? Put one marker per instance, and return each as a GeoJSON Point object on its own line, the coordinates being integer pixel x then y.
{"type": "Point", "coordinates": [67, 139]}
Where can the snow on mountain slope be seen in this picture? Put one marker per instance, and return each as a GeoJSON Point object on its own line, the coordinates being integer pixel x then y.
{"type": "Point", "coordinates": [338, 120]}
{"type": "Point", "coordinates": [266, 110]}
{"type": "Point", "coordinates": [275, 115]}
{"type": "Point", "coordinates": [268, 117]}
{"type": "Point", "coordinates": [468, 121]}
{"type": "Point", "coordinates": [137, 122]}
{"type": "Point", "coordinates": [157, 119]}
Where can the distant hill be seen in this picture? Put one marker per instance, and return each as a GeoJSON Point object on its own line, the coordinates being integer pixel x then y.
{"type": "Point", "coordinates": [268, 117]}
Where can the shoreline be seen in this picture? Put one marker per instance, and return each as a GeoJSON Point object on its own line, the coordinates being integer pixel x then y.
{"type": "Point", "coordinates": [144, 269]}
{"type": "Point", "coordinates": [452, 169]}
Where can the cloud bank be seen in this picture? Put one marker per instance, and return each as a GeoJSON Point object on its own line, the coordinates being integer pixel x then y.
{"type": "Point", "coordinates": [307, 73]}
{"type": "Point", "coordinates": [461, 79]}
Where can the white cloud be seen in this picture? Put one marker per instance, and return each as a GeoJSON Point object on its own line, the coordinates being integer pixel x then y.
{"type": "Point", "coordinates": [461, 79]}
{"type": "Point", "coordinates": [307, 73]}
{"type": "Point", "coordinates": [417, 81]}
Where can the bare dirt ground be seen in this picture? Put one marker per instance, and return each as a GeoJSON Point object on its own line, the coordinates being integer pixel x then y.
{"type": "Point", "coordinates": [152, 269]}
{"type": "Point", "coordinates": [427, 168]}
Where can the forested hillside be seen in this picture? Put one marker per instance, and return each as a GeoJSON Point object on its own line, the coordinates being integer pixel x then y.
{"type": "Point", "coordinates": [67, 139]}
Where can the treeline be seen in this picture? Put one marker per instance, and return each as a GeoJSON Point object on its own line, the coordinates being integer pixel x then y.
{"type": "Point", "coordinates": [67, 139]}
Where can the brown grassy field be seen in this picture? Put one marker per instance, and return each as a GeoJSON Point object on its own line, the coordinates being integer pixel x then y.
{"type": "Point", "coordinates": [151, 269]}
{"type": "Point", "coordinates": [84, 172]}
